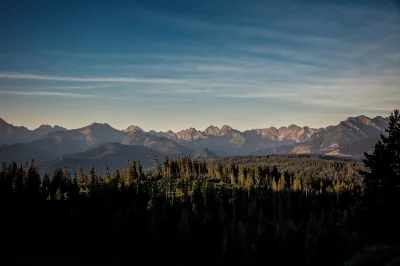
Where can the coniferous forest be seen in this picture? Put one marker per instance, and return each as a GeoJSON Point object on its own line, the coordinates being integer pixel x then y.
{"type": "Point", "coordinates": [268, 210]}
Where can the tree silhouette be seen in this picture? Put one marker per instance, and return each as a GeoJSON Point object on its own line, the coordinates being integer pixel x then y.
{"type": "Point", "coordinates": [380, 214]}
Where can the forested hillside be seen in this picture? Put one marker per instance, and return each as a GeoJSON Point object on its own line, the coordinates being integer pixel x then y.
{"type": "Point", "coordinates": [258, 210]}
{"type": "Point", "coordinates": [185, 212]}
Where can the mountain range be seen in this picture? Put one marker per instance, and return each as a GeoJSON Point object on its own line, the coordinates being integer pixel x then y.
{"type": "Point", "coordinates": [10, 134]}
{"type": "Point", "coordinates": [101, 144]}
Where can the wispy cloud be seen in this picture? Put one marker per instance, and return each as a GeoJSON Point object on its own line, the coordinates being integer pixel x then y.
{"type": "Point", "coordinates": [81, 87]}
{"type": "Point", "coordinates": [48, 93]}
{"type": "Point", "coordinates": [336, 97]}
{"type": "Point", "coordinates": [14, 75]}
{"type": "Point", "coordinates": [312, 57]}
{"type": "Point", "coordinates": [175, 92]}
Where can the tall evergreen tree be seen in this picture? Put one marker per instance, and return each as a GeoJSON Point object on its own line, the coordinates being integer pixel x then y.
{"type": "Point", "coordinates": [379, 218]}
{"type": "Point", "coordinates": [33, 180]}
{"type": "Point", "coordinates": [156, 167]}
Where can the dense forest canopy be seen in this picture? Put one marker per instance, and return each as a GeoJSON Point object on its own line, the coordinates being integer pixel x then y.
{"type": "Point", "coordinates": [257, 210]}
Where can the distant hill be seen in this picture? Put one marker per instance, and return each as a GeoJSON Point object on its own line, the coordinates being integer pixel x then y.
{"type": "Point", "coordinates": [160, 144]}
{"type": "Point", "coordinates": [21, 153]}
{"type": "Point", "coordinates": [358, 148]}
{"type": "Point", "coordinates": [78, 140]}
{"type": "Point", "coordinates": [111, 155]}
{"type": "Point", "coordinates": [275, 150]}
{"type": "Point", "coordinates": [203, 153]}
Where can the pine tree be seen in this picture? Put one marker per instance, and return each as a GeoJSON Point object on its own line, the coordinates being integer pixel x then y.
{"type": "Point", "coordinates": [273, 185]}
{"type": "Point", "coordinates": [188, 168]}
{"type": "Point", "coordinates": [257, 176]}
{"type": "Point", "coordinates": [282, 182]}
{"type": "Point", "coordinates": [59, 195]}
{"type": "Point", "coordinates": [156, 167]}
{"type": "Point", "coordinates": [379, 216]}
{"type": "Point", "coordinates": [92, 182]}
{"type": "Point", "coordinates": [81, 178]}
{"type": "Point", "coordinates": [249, 179]}
{"type": "Point", "coordinates": [165, 168]}
{"type": "Point", "coordinates": [139, 170]}
{"type": "Point", "coordinates": [116, 177]}
{"type": "Point", "coordinates": [18, 185]}
{"type": "Point", "coordinates": [46, 186]}
{"type": "Point", "coordinates": [33, 180]}
{"type": "Point", "coordinates": [242, 176]}
{"type": "Point", "coordinates": [107, 176]}
{"type": "Point", "coordinates": [296, 186]}
{"type": "Point", "coordinates": [128, 180]}
{"type": "Point", "coordinates": [67, 177]}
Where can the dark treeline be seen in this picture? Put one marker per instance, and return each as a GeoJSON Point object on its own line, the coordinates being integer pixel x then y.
{"type": "Point", "coordinates": [231, 211]}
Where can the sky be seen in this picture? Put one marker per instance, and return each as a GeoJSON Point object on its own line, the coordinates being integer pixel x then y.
{"type": "Point", "coordinates": [178, 64]}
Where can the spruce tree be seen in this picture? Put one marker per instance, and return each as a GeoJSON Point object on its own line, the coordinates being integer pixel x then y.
{"type": "Point", "coordinates": [379, 218]}
{"type": "Point", "coordinates": [59, 195]}
{"type": "Point", "coordinates": [128, 180]}
{"type": "Point", "coordinates": [156, 167]}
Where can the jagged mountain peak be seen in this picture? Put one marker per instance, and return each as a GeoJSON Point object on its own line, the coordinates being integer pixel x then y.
{"type": "Point", "coordinates": [361, 119]}
{"type": "Point", "coordinates": [3, 122]}
{"type": "Point", "coordinates": [226, 127]}
{"type": "Point", "coordinates": [133, 128]}
{"type": "Point", "coordinates": [190, 134]}
{"type": "Point", "coordinates": [379, 118]}
{"type": "Point", "coordinates": [45, 126]}
{"type": "Point", "coordinates": [188, 130]}
{"type": "Point", "coordinates": [136, 133]}
{"type": "Point", "coordinates": [294, 127]}
{"type": "Point", "coordinates": [46, 129]}
{"type": "Point", "coordinates": [212, 127]}
{"type": "Point", "coordinates": [212, 130]}
{"type": "Point", "coordinates": [192, 129]}
{"type": "Point", "coordinates": [57, 127]}
{"type": "Point", "coordinates": [98, 126]}
{"type": "Point", "coordinates": [380, 122]}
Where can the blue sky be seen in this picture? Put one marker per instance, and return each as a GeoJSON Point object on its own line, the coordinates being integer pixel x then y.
{"type": "Point", "coordinates": [178, 64]}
